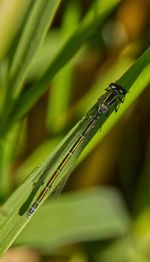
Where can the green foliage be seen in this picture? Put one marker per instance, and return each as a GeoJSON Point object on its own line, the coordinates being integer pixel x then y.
{"type": "Point", "coordinates": [44, 56]}
{"type": "Point", "coordinates": [39, 17]}
{"type": "Point", "coordinates": [10, 216]}
{"type": "Point", "coordinates": [90, 23]}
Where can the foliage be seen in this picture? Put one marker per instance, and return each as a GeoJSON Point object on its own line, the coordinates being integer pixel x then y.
{"type": "Point", "coordinates": [39, 59]}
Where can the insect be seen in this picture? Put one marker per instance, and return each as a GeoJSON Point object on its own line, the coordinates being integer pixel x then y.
{"type": "Point", "coordinates": [114, 94]}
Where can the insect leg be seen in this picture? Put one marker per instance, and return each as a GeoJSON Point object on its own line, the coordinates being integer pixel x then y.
{"type": "Point", "coordinates": [121, 99]}
{"type": "Point", "coordinates": [116, 106]}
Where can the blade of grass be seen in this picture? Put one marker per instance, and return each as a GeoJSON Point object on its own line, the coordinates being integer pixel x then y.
{"type": "Point", "coordinates": [62, 82]}
{"type": "Point", "coordinates": [13, 214]}
{"type": "Point", "coordinates": [84, 216]}
{"type": "Point", "coordinates": [7, 147]}
{"type": "Point", "coordinates": [96, 15]}
{"type": "Point", "coordinates": [44, 56]}
{"type": "Point", "coordinates": [34, 31]}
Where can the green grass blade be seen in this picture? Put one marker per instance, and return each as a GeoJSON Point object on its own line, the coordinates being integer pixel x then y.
{"type": "Point", "coordinates": [13, 214]}
{"type": "Point", "coordinates": [44, 56]}
{"type": "Point", "coordinates": [62, 82]}
{"type": "Point", "coordinates": [7, 147]}
{"type": "Point", "coordinates": [38, 22]}
{"type": "Point", "coordinates": [93, 214]}
{"type": "Point", "coordinates": [89, 25]}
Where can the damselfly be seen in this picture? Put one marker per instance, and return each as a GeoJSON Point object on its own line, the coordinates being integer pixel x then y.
{"type": "Point", "coordinates": [114, 94]}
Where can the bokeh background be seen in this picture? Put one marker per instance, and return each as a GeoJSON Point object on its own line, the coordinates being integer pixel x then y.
{"type": "Point", "coordinates": [121, 159]}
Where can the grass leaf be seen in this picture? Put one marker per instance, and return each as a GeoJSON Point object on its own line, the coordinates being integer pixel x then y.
{"type": "Point", "coordinates": [13, 213]}
{"type": "Point", "coordinates": [38, 22]}
{"type": "Point", "coordinates": [62, 82]}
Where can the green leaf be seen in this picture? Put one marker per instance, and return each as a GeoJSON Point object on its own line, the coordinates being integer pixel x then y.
{"type": "Point", "coordinates": [38, 21]}
{"type": "Point", "coordinates": [13, 216]}
{"type": "Point", "coordinates": [93, 214]}
{"type": "Point", "coordinates": [44, 56]}
{"type": "Point", "coordinates": [58, 107]}
{"type": "Point", "coordinates": [7, 149]}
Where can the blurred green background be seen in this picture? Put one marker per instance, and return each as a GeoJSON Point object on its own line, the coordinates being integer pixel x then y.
{"type": "Point", "coordinates": [78, 226]}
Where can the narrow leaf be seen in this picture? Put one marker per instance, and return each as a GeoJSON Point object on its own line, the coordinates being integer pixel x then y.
{"type": "Point", "coordinates": [14, 213]}
{"type": "Point", "coordinates": [38, 22]}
